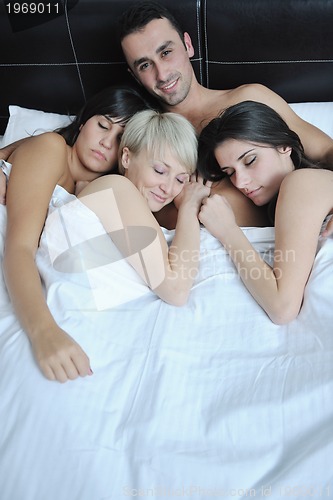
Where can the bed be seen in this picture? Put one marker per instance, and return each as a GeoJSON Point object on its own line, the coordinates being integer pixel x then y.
{"type": "Point", "coordinates": [208, 400]}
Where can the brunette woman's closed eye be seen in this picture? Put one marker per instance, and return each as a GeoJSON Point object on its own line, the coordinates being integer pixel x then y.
{"type": "Point", "coordinates": [248, 163]}
{"type": "Point", "coordinates": [227, 171]}
{"type": "Point", "coordinates": [103, 126]}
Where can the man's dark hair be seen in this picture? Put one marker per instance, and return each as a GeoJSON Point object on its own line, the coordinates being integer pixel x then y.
{"type": "Point", "coordinates": [140, 14]}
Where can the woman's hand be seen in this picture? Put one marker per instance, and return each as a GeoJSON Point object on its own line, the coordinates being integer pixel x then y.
{"type": "Point", "coordinates": [59, 356]}
{"type": "Point", "coordinates": [193, 193]}
{"type": "Point", "coordinates": [217, 216]}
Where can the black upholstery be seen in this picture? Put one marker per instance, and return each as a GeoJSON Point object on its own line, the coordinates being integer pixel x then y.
{"type": "Point", "coordinates": [286, 45]}
{"type": "Point", "coordinates": [55, 62]}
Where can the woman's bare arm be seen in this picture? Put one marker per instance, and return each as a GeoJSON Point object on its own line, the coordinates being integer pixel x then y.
{"type": "Point", "coordinates": [5, 153]}
{"type": "Point", "coordinates": [305, 198]}
{"type": "Point", "coordinates": [170, 272]}
{"type": "Point", "coordinates": [38, 166]}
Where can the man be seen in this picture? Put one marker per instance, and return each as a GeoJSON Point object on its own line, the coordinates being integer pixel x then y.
{"type": "Point", "coordinates": [158, 55]}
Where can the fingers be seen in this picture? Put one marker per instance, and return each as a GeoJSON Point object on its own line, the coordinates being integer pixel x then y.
{"type": "Point", "coordinates": [63, 373]}
{"type": "Point", "coordinates": [198, 178]}
{"type": "Point", "coordinates": [66, 365]}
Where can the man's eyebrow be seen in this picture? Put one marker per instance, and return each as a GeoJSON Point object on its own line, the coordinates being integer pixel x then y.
{"type": "Point", "coordinates": [159, 49]}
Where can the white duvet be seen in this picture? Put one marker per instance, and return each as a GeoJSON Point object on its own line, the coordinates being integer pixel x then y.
{"type": "Point", "coordinates": [209, 400]}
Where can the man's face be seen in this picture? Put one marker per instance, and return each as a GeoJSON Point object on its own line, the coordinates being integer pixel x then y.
{"type": "Point", "coordinates": [160, 60]}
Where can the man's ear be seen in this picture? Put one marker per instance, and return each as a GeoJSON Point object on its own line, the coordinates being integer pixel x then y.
{"type": "Point", "coordinates": [188, 44]}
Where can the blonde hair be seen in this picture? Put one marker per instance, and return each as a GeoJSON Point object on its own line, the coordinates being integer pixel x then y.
{"type": "Point", "coordinates": [156, 132]}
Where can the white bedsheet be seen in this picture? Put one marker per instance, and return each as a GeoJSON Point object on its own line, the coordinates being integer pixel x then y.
{"type": "Point", "coordinates": [210, 400]}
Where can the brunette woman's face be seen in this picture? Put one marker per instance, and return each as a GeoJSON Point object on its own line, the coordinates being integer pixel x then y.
{"type": "Point", "coordinates": [257, 170]}
{"type": "Point", "coordinates": [98, 143]}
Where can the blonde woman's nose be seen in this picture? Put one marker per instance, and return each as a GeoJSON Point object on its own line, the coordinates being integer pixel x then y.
{"type": "Point", "coordinates": [167, 186]}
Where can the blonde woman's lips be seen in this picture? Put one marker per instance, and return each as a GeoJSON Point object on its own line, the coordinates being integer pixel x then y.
{"type": "Point", "coordinates": [160, 199]}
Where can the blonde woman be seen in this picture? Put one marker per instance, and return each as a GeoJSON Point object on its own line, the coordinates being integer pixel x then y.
{"type": "Point", "coordinates": [158, 155]}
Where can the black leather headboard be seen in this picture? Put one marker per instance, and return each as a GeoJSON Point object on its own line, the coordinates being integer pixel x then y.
{"type": "Point", "coordinates": [55, 60]}
{"type": "Point", "coordinates": [285, 44]}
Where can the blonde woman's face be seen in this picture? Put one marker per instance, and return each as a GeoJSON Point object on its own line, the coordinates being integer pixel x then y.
{"type": "Point", "coordinates": [158, 180]}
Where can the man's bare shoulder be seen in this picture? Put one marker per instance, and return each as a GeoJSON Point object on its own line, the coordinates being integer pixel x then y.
{"type": "Point", "coordinates": [259, 93]}
{"type": "Point", "coordinates": [210, 103]}
{"type": "Point", "coordinates": [249, 92]}
{"type": "Point", "coordinates": [222, 99]}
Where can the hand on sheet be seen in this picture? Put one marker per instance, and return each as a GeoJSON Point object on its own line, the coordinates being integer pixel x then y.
{"type": "Point", "coordinates": [60, 357]}
{"type": "Point", "coordinates": [217, 216]}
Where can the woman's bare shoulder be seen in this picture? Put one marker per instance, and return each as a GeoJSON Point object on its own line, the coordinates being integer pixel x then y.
{"type": "Point", "coordinates": [51, 142]}
{"type": "Point", "coordinates": [304, 177]}
{"type": "Point", "coordinates": [115, 181]}
{"type": "Point", "coordinates": [307, 191]}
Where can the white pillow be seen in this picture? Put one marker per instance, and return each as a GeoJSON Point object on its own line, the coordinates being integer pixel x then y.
{"type": "Point", "coordinates": [24, 122]}
{"type": "Point", "coordinates": [319, 114]}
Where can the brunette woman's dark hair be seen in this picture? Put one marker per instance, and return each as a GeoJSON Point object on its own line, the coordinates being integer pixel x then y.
{"type": "Point", "coordinates": [119, 103]}
{"type": "Point", "coordinates": [252, 122]}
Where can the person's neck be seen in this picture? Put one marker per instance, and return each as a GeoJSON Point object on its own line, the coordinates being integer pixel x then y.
{"type": "Point", "coordinates": [197, 107]}
{"type": "Point", "coordinates": [77, 171]}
